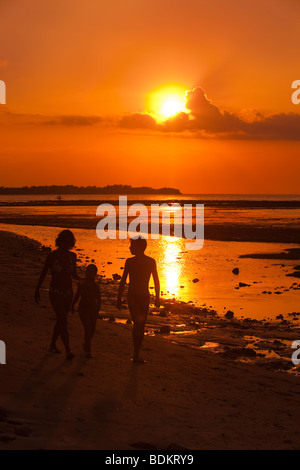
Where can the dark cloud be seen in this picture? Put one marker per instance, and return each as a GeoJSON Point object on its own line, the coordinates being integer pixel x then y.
{"type": "Point", "coordinates": [138, 121]}
{"type": "Point", "coordinates": [206, 120]}
{"type": "Point", "coordinates": [208, 117]}
{"type": "Point", "coordinates": [178, 123]}
{"type": "Point", "coordinates": [200, 106]}
{"type": "Point", "coordinates": [7, 117]}
{"type": "Point", "coordinates": [73, 120]}
{"type": "Point", "coordinates": [276, 127]}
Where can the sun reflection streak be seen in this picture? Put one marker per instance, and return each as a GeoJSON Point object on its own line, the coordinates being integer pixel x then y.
{"type": "Point", "coordinates": [171, 255]}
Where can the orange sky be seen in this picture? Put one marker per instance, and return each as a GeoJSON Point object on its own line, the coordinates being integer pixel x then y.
{"type": "Point", "coordinates": [74, 69]}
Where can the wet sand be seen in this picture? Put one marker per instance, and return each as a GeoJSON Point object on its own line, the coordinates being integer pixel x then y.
{"type": "Point", "coordinates": [221, 231]}
{"type": "Point", "coordinates": [265, 293]}
{"type": "Point", "coordinates": [183, 396]}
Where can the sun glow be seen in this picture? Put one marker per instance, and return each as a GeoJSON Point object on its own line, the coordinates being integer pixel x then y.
{"type": "Point", "coordinates": [171, 107]}
{"type": "Point", "coordinates": [166, 101]}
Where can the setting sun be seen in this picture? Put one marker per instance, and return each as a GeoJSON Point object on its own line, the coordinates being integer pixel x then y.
{"type": "Point", "coordinates": [171, 107]}
{"type": "Point", "coordinates": [166, 101]}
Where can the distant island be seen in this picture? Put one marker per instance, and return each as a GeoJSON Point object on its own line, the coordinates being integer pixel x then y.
{"type": "Point", "coordinates": [70, 189]}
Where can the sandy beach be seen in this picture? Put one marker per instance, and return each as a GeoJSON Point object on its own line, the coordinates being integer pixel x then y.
{"type": "Point", "coordinates": [183, 397]}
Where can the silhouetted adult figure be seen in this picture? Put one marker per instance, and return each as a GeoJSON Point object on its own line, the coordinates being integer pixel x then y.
{"type": "Point", "coordinates": [139, 268]}
{"type": "Point", "coordinates": [62, 264]}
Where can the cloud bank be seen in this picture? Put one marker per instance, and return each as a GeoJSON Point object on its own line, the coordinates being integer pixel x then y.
{"type": "Point", "coordinates": [203, 119]}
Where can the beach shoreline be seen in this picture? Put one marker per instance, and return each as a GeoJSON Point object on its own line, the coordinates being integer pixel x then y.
{"type": "Point", "coordinates": [264, 218]}
{"type": "Point", "coordinates": [183, 395]}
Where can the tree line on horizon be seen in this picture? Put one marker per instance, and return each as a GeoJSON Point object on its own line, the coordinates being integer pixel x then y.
{"type": "Point", "coordinates": [71, 189]}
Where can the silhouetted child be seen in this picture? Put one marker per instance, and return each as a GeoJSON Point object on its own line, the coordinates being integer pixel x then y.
{"type": "Point", "coordinates": [89, 296]}
{"type": "Point", "coordinates": [139, 268]}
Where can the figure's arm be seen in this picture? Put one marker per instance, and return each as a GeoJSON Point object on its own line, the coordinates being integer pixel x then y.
{"type": "Point", "coordinates": [98, 299]}
{"type": "Point", "coordinates": [122, 285]}
{"type": "Point", "coordinates": [156, 284]}
{"type": "Point", "coordinates": [44, 272]}
{"type": "Point", "coordinates": [76, 297]}
{"type": "Point", "coordinates": [74, 273]}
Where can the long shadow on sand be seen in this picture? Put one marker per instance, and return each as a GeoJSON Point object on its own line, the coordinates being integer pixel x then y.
{"type": "Point", "coordinates": [35, 381]}
{"type": "Point", "coordinates": [115, 401]}
{"type": "Point", "coordinates": [57, 400]}
{"type": "Point", "coordinates": [39, 402]}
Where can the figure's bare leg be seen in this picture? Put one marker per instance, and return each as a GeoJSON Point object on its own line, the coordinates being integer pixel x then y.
{"type": "Point", "coordinates": [55, 335]}
{"type": "Point", "coordinates": [138, 310]}
{"type": "Point", "coordinates": [138, 336]}
{"type": "Point", "coordinates": [85, 319]}
{"type": "Point", "coordinates": [61, 306]}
